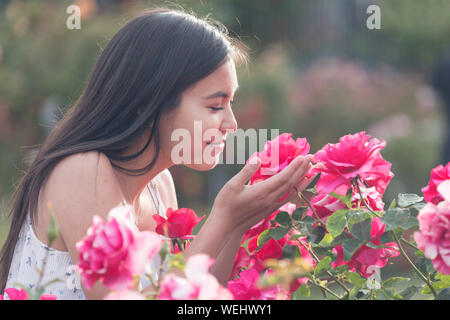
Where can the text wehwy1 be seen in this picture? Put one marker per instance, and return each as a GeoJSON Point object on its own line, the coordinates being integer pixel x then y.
{"type": "Point", "coordinates": [229, 309]}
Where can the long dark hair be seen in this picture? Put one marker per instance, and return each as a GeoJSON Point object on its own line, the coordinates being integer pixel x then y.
{"type": "Point", "coordinates": [146, 66]}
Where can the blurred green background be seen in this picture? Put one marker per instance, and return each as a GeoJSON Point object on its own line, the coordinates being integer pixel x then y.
{"type": "Point", "coordinates": [316, 70]}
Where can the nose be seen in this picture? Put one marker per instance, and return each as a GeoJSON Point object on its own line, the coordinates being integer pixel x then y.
{"type": "Point", "coordinates": [229, 124]}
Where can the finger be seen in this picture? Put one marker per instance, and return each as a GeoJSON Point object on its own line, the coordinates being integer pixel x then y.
{"type": "Point", "coordinates": [291, 180]}
{"type": "Point", "coordinates": [247, 172]}
{"type": "Point", "coordinates": [279, 180]}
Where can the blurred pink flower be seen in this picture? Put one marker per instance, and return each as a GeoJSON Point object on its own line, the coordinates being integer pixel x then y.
{"type": "Point", "coordinates": [124, 295]}
{"type": "Point", "coordinates": [15, 294]}
{"type": "Point", "coordinates": [434, 225]}
{"type": "Point", "coordinates": [21, 294]}
{"type": "Point", "coordinates": [198, 283]}
{"type": "Point", "coordinates": [437, 176]}
{"type": "Point", "coordinates": [115, 251]}
{"type": "Point", "coordinates": [246, 287]}
{"type": "Point", "coordinates": [48, 297]}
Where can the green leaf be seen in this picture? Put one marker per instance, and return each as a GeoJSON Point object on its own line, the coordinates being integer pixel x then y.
{"type": "Point", "coordinates": [340, 239]}
{"type": "Point", "coordinates": [304, 290]}
{"type": "Point", "coordinates": [309, 220]}
{"type": "Point", "coordinates": [298, 213]}
{"type": "Point", "coordinates": [395, 282]}
{"type": "Point", "coordinates": [263, 238]}
{"type": "Point", "coordinates": [443, 277]}
{"type": "Point", "coordinates": [391, 294]}
{"type": "Point", "coordinates": [356, 279]}
{"type": "Point", "coordinates": [337, 222]}
{"type": "Point", "coordinates": [442, 282]}
{"type": "Point", "coordinates": [361, 230]}
{"type": "Point", "coordinates": [396, 218]}
{"type": "Point", "coordinates": [350, 247]}
{"type": "Point", "coordinates": [408, 199]}
{"type": "Point", "coordinates": [393, 204]}
{"type": "Point", "coordinates": [409, 292]}
{"type": "Point", "coordinates": [322, 266]}
{"type": "Point", "coordinates": [419, 206]}
{"type": "Point", "coordinates": [278, 232]}
{"type": "Point", "coordinates": [316, 235]}
{"type": "Point", "coordinates": [353, 293]}
{"type": "Point", "coordinates": [347, 199]}
{"type": "Point", "coordinates": [326, 241]}
{"type": "Point", "coordinates": [284, 219]}
{"type": "Point", "coordinates": [411, 223]}
{"type": "Point", "coordinates": [355, 216]}
{"type": "Point", "coordinates": [389, 237]}
{"type": "Point", "coordinates": [424, 265]}
{"type": "Point", "coordinates": [444, 294]}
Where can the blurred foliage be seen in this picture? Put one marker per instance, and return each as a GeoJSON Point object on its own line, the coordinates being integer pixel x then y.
{"type": "Point", "coordinates": [315, 71]}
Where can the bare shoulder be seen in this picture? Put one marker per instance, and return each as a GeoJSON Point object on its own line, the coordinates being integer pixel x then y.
{"type": "Point", "coordinates": [88, 176]}
{"type": "Point", "coordinates": [80, 187]}
{"type": "Point", "coordinates": [169, 194]}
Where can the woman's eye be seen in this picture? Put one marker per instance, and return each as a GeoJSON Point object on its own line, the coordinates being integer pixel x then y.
{"type": "Point", "coordinates": [216, 108]}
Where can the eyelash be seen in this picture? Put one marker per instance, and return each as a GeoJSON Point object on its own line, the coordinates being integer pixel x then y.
{"type": "Point", "coordinates": [220, 108]}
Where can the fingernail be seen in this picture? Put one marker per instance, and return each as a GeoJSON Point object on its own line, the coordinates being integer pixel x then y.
{"type": "Point", "coordinates": [309, 157]}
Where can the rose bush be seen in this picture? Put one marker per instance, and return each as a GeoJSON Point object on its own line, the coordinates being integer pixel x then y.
{"type": "Point", "coordinates": [334, 243]}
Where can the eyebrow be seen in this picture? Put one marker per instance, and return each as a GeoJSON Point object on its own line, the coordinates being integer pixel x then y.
{"type": "Point", "coordinates": [219, 94]}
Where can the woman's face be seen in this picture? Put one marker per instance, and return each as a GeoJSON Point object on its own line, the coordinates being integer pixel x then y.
{"type": "Point", "coordinates": [194, 133]}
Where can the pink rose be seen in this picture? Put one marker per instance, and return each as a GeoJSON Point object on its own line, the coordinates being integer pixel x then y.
{"type": "Point", "coordinates": [366, 256]}
{"type": "Point", "coordinates": [288, 207]}
{"type": "Point", "coordinates": [48, 297]}
{"type": "Point", "coordinates": [434, 225]}
{"type": "Point", "coordinates": [437, 176]}
{"type": "Point", "coordinates": [277, 155]}
{"type": "Point", "coordinates": [241, 261]}
{"type": "Point", "coordinates": [124, 295]}
{"type": "Point", "coordinates": [325, 205]}
{"type": "Point", "coordinates": [353, 156]}
{"type": "Point", "coordinates": [179, 223]}
{"type": "Point", "coordinates": [198, 283]}
{"type": "Point", "coordinates": [15, 294]}
{"type": "Point", "coordinates": [246, 287]}
{"type": "Point", "coordinates": [372, 197]}
{"type": "Point", "coordinates": [115, 251]}
{"type": "Point", "coordinates": [272, 249]}
{"type": "Point", "coordinates": [261, 226]}
{"type": "Point", "coordinates": [21, 294]}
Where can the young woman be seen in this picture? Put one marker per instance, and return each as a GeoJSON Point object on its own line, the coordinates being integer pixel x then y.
{"type": "Point", "coordinates": [163, 71]}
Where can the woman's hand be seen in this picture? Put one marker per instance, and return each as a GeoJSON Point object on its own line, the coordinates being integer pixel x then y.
{"type": "Point", "coordinates": [239, 206]}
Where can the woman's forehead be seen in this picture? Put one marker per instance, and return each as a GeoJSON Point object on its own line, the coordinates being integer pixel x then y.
{"type": "Point", "coordinates": [223, 79]}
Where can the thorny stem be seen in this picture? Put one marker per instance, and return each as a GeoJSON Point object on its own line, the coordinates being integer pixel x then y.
{"type": "Point", "coordinates": [315, 257]}
{"type": "Point", "coordinates": [301, 196]}
{"type": "Point", "coordinates": [421, 276]}
{"type": "Point", "coordinates": [412, 245]}
{"type": "Point", "coordinates": [324, 288]}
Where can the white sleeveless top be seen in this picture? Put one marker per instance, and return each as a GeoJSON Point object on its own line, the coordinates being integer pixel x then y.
{"type": "Point", "coordinates": [30, 253]}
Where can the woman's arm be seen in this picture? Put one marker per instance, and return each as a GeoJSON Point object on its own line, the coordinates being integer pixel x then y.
{"type": "Point", "coordinates": [224, 262]}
